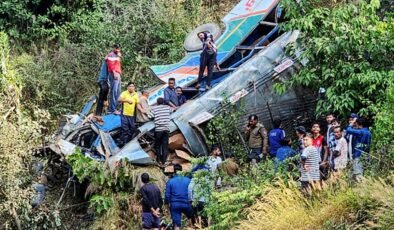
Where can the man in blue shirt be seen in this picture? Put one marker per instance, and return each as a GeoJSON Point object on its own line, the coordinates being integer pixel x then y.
{"type": "Point", "coordinates": [361, 146]}
{"type": "Point", "coordinates": [176, 195]}
{"type": "Point", "coordinates": [275, 136]}
{"type": "Point", "coordinates": [170, 95]}
{"type": "Point", "coordinates": [181, 98]}
{"type": "Point", "coordinates": [284, 152]}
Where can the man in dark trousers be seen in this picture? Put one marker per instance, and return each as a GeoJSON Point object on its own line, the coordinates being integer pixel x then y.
{"type": "Point", "coordinates": [151, 203]}
{"type": "Point", "coordinates": [103, 82]}
{"type": "Point", "coordinates": [114, 71]}
{"type": "Point", "coordinates": [176, 196]}
{"type": "Point", "coordinates": [161, 115]}
{"type": "Point", "coordinates": [129, 100]}
{"type": "Point", "coordinates": [207, 58]}
{"type": "Point", "coordinates": [257, 138]}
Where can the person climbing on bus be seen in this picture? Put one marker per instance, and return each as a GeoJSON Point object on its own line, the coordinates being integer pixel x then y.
{"type": "Point", "coordinates": [207, 58]}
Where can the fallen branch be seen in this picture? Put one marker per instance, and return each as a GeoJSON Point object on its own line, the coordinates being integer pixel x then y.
{"type": "Point", "coordinates": [16, 217]}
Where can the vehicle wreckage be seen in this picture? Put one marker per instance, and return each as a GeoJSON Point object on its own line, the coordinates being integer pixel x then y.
{"type": "Point", "coordinates": [251, 53]}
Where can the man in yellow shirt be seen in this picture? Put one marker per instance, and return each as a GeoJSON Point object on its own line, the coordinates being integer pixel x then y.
{"type": "Point", "coordinates": [129, 100]}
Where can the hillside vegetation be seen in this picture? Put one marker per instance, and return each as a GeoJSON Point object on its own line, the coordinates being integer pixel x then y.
{"type": "Point", "coordinates": [50, 55]}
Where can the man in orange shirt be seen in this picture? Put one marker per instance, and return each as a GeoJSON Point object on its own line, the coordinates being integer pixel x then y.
{"type": "Point", "coordinates": [114, 72]}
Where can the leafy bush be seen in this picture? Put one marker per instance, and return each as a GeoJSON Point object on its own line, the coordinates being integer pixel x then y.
{"type": "Point", "coordinates": [349, 52]}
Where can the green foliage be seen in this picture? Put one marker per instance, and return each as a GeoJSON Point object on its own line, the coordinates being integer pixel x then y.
{"type": "Point", "coordinates": [20, 131]}
{"type": "Point", "coordinates": [383, 130]}
{"type": "Point", "coordinates": [349, 50]}
{"type": "Point", "coordinates": [101, 203]}
{"type": "Point", "coordinates": [240, 192]}
{"type": "Point", "coordinates": [223, 129]}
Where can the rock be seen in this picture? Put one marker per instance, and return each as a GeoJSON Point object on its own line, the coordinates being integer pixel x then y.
{"type": "Point", "coordinates": [37, 167]}
{"type": "Point", "coordinates": [40, 194]}
{"type": "Point", "coordinates": [176, 141]}
{"type": "Point", "coordinates": [230, 167]}
{"type": "Point", "coordinates": [169, 169]}
{"type": "Point", "coordinates": [182, 154]}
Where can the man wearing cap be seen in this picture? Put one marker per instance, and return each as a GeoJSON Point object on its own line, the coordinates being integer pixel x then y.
{"type": "Point", "coordinates": [114, 71]}
{"type": "Point", "coordinates": [363, 141]}
{"type": "Point", "coordinates": [129, 100]}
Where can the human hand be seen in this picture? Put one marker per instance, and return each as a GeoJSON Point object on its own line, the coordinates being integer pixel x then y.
{"type": "Point", "coordinates": [116, 75]}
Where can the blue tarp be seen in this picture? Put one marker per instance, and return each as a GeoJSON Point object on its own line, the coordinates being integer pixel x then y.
{"type": "Point", "coordinates": [111, 122]}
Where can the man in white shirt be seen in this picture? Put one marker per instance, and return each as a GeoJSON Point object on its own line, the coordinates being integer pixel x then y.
{"type": "Point", "coordinates": [214, 161]}
{"type": "Point", "coordinates": [341, 150]}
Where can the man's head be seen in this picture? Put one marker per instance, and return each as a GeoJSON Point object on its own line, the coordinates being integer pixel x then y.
{"type": "Point", "coordinates": [177, 168]}
{"type": "Point", "coordinates": [286, 141]}
{"type": "Point", "coordinates": [116, 48]}
{"type": "Point", "coordinates": [201, 36]}
{"type": "Point", "coordinates": [253, 119]}
{"type": "Point", "coordinates": [215, 150]}
{"type": "Point", "coordinates": [171, 82]}
{"type": "Point", "coordinates": [335, 123]}
{"type": "Point", "coordinates": [315, 128]}
{"type": "Point", "coordinates": [300, 131]}
{"type": "Point", "coordinates": [330, 117]}
{"type": "Point", "coordinates": [361, 122]}
{"type": "Point", "coordinates": [308, 139]}
{"type": "Point", "coordinates": [145, 93]}
{"type": "Point", "coordinates": [352, 118]}
{"type": "Point", "coordinates": [277, 123]}
{"type": "Point", "coordinates": [131, 87]}
{"type": "Point", "coordinates": [160, 101]}
{"type": "Point", "coordinates": [145, 178]}
{"type": "Point", "coordinates": [338, 132]}
{"type": "Point", "coordinates": [179, 91]}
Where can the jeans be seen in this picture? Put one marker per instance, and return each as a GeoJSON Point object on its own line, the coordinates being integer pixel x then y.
{"type": "Point", "coordinates": [103, 96]}
{"type": "Point", "coordinates": [206, 60]}
{"type": "Point", "coordinates": [177, 208]}
{"type": "Point", "coordinates": [127, 123]}
{"type": "Point", "coordinates": [115, 92]}
{"type": "Point", "coordinates": [161, 145]}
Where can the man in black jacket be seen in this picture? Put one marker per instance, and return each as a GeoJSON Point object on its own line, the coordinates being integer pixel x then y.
{"type": "Point", "coordinates": [151, 204]}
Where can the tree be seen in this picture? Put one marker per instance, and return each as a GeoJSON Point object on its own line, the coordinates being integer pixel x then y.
{"type": "Point", "coordinates": [349, 52]}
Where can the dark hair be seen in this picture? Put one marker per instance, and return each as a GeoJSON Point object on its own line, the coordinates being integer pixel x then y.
{"type": "Point", "coordinates": [177, 168]}
{"type": "Point", "coordinates": [171, 79]}
{"type": "Point", "coordinates": [254, 117]}
{"type": "Point", "coordinates": [277, 123]}
{"type": "Point", "coordinates": [316, 123]}
{"type": "Point", "coordinates": [130, 83]}
{"type": "Point", "coordinates": [334, 120]}
{"type": "Point", "coordinates": [116, 46]}
{"type": "Point", "coordinates": [145, 178]}
{"type": "Point", "coordinates": [330, 113]}
{"type": "Point", "coordinates": [214, 147]}
{"type": "Point", "coordinates": [285, 142]}
{"type": "Point", "coordinates": [361, 121]}
{"type": "Point", "coordinates": [308, 134]}
{"type": "Point", "coordinates": [160, 101]}
{"type": "Point", "coordinates": [336, 127]}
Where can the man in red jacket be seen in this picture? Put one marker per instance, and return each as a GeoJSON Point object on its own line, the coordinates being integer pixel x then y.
{"type": "Point", "coordinates": [114, 72]}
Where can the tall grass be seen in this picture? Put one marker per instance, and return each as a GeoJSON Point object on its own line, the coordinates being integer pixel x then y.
{"type": "Point", "coordinates": [338, 205]}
